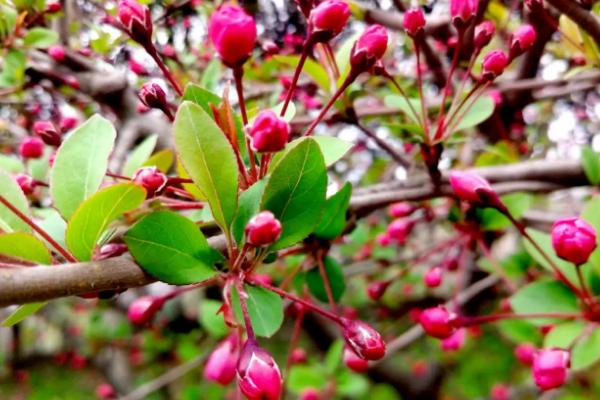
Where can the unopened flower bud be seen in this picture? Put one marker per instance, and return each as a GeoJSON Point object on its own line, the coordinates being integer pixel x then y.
{"type": "Point", "coordinates": [26, 183]}
{"type": "Point", "coordinates": [493, 64]}
{"type": "Point", "coordinates": [433, 277]}
{"type": "Point", "coordinates": [143, 309]}
{"type": "Point", "coordinates": [402, 209]}
{"type": "Point", "coordinates": [47, 132]}
{"type": "Point", "coordinates": [550, 368]}
{"type": "Point", "coordinates": [376, 289]}
{"type": "Point", "coordinates": [399, 229]}
{"type": "Point", "coordinates": [263, 229]}
{"type": "Point", "coordinates": [111, 250]}
{"type": "Point", "coordinates": [57, 52]}
{"type": "Point", "coordinates": [153, 95]}
{"type": "Point", "coordinates": [573, 239]}
{"type": "Point", "coordinates": [363, 339]}
{"type": "Point", "coordinates": [521, 40]}
{"type": "Point", "coordinates": [222, 362]}
{"type": "Point", "coordinates": [354, 362]}
{"type": "Point", "coordinates": [369, 48]}
{"type": "Point", "coordinates": [525, 352]}
{"type": "Point", "coordinates": [484, 33]}
{"type": "Point", "coordinates": [137, 20]}
{"type": "Point", "coordinates": [470, 187]}
{"type": "Point", "coordinates": [462, 11]}
{"type": "Point", "coordinates": [31, 147]}
{"type": "Point", "coordinates": [233, 33]}
{"type": "Point", "coordinates": [258, 375]}
{"type": "Point", "coordinates": [269, 133]}
{"type": "Point", "coordinates": [455, 341]}
{"type": "Point", "coordinates": [413, 21]}
{"type": "Point", "coordinates": [151, 179]}
{"type": "Point", "coordinates": [437, 322]}
{"type": "Point", "coordinates": [105, 391]}
{"type": "Point", "coordinates": [53, 7]}
{"type": "Point", "coordinates": [328, 19]}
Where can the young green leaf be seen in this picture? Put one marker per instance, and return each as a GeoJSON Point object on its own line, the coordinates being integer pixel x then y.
{"type": "Point", "coordinates": [171, 248]}
{"type": "Point", "coordinates": [95, 214]}
{"type": "Point", "coordinates": [11, 191]}
{"type": "Point", "coordinates": [333, 219]}
{"type": "Point", "coordinates": [591, 164]}
{"type": "Point", "coordinates": [331, 147]}
{"type": "Point", "coordinates": [247, 208]}
{"type": "Point", "coordinates": [210, 318]}
{"type": "Point", "coordinates": [208, 157]}
{"type": "Point", "coordinates": [26, 247]}
{"type": "Point", "coordinates": [139, 155]}
{"type": "Point", "coordinates": [265, 309]}
{"type": "Point", "coordinates": [544, 297]}
{"type": "Point", "coordinates": [40, 37]}
{"type": "Point", "coordinates": [22, 312]}
{"type": "Point", "coordinates": [481, 110]}
{"type": "Point", "coordinates": [335, 275]}
{"type": "Point", "coordinates": [80, 164]}
{"type": "Point", "coordinates": [295, 192]}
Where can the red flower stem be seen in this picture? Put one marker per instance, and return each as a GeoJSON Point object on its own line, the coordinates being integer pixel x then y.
{"type": "Point", "coordinates": [68, 256]}
{"type": "Point", "coordinates": [150, 49]}
{"type": "Point", "coordinates": [349, 79]}
{"type": "Point", "coordinates": [448, 84]}
{"type": "Point", "coordinates": [184, 289]}
{"type": "Point", "coordinates": [456, 119]}
{"type": "Point", "coordinates": [184, 205]}
{"type": "Point", "coordinates": [264, 164]}
{"type": "Point", "coordinates": [420, 87]}
{"type": "Point", "coordinates": [238, 76]}
{"type": "Point", "coordinates": [179, 180]}
{"type": "Point", "coordinates": [470, 321]}
{"type": "Point", "coordinates": [588, 298]}
{"type": "Point", "coordinates": [111, 175]}
{"type": "Point", "coordinates": [326, 281]}
{"type": "Point", "coordinates": [299, 67]}
{"type": "Point", "coordinates": [242, 295]}
{"type": "Point", "coordinates": [403, 94]}
{"type": "Point", "coordinates": [179, 192]}
{"type": "Point", "coordinates": [294, 340]}
{"type": "Point", "coordinates": [307, 304]}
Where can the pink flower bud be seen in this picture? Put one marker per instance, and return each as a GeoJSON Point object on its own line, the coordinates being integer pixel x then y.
{"type": "Point", "coordinates": [310, 394]}
{"type": "Point", "coordinates": [105, 391]}
{"type": "Point", "coordinates": [573, 239]}
{"type": "Point", "coordinates": [455, 341]}
{"type": "Point", "coordinates": [399, 229]}
{"type": "Point", "coordinates": [330, 16]}
{"type": "Point", "coordinates": [53, 7]}
{"type": "Point", "coordinates": [57, 52]}
{"type": "Point", "coordinates": [376, 289]}
{"type": "Point", "coordinates": [263, 229]}
{"type": "Point", "coordinates": [222, 362]}
{"type": "Point", "coordinates": [522, 39]}
{"type": "Point", "coordinates": [137, 20]}
{"type": "Point", "coordinates": [413, 21]}
{"type": "Point", "coordinates": [233, 33]}
{"type": "Point", "coordinates": [26, 183]}
{"type": "Point", "coordinates": [484, 33]}
{"type": "Point", "coordinates": [31, 147]}
{"type": "Point", "coordinates": [151, 179]}
{"type": "Point", "coordinates": [137, 67]}
{"type": "Point", "coordinates": [47, 132]}
{"type": "Point", "coordinates": [364, 340]}
{"type": "Point", "coordinates": [153, 95]}
{"type": "Point", "coordinates": [298, 355]}
{"type": "Point", "coordinates": [143, 309]}
{"type": "Point", "coordinates": [525, 353]}
{"type": "Point", "coordinates": [433, 277]}
{"type": "Point", "coordinates": [383, 239]}
{"type": "Point", "coordinates": [369, 48]}
{"type": "Point", "coordinates": [269, 133]}
{"type": "Point", "coordinates": [550, 368]}
{"type": "Point", "coordinates": [500, 392]}
{"type": "Point", "coordinates": [111, 250]}
{"type": "Point", "coordinates": [463, 10]}
{"type": "Point", "coordinates": [71, 81]}
{"type": "Point", "coordinates": [67, 123]}
{"type": "Point", "coordinates": [258, 374]}
{"type": "Point", "coordinates": [402, 209]}
{"type": "Point", "coordinates": [354, 362]}
{"type": "Point", "coordinates": [468, 186]}
{"type": "Point", "coordinates": [493, 64]}
{"type": "Point", "coordinates": [169, 51]}
{"type": "Point", "coordinates": [437, 322]}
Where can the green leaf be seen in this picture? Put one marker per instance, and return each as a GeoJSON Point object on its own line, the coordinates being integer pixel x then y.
{"type": "Point", "coordinates": [208, 157]}
{"type": "Point", "coordinates": [333, 358]}
{"type": "Point", "coordinates": [544, 297]}
{"type": "Point", "coordinates": [202, 97]}
{"type": "Point", "coordinates": [399, 102]}
{"type": "Point", "coordinates": [350, 384]}
{"type": "Point", "coordinates": [295, 192]}
{"type": "Point", "coordinates": [586, 351]}
{"type": "Point", "coordinates": [211, 75]}
{"type": "Point", "coordinates": [290, 113]}
{"type": "Point", "coordinates": [25, 246]}
{"type": "Point", "coordinates": [335, 275]}
{"type": "Point", "coordinates": [563, 335]}
{"type": "Point", "coordinates": [247, 208]}
{"type": "Point", "coordinates": [11, 191]}
{"type": "Point", "coordinates": [22, 312]}
{"type": "Point", "coordinates": [210, 318]}
{"type": "Point", "coordinates": [163, 160]}
{"type": "Point", "coordinates": [171, 248]}
{"type": "Point", "coordinates": [333, 220]}
{"type": "Point", "coordinates": [80, 164]}
{"type": "Point", "coordinates": [11, 164]}
{"type": "Point", "coordinates": [139, 155]}
{"type": "Point", "coordinates": [331, 147]}
{"type": "Point", "coordinates": [306, 376]}
{"type": "Point", "coordinates": [13, 72]}
{"type": "Point", "coordinates": [591, 164]}
{"type": "Point", "coordinates": [545, 242]}
{"type": "Point", "coordinates": [95, 214]}
{"type": "Point", "coordinates": [517, 203]}
{"type": "Point", "coordinates": [481, 110]}
{"type": "Point", "coordinates": [265, 309]}
{"type": "Point", "coordinates": [520, 330]}
{"type": "Point", "coordinates": [40, 37]}
{"type": "Point", "coordinates": [311, 68]}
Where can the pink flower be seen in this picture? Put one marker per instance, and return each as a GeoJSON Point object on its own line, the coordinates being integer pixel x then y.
{"type": "Point", "coordinates": [463, 9]}
{"type": "Point", "coordinates": [494, 63]}
{"type": "Point", "coordinates": [354, 362]}
{"type": "Point", "coordinates": [143, 309]}
{"type": "Point", "coordinates": [31, 147]}
{"type": "Point", "coordinates": [364, 340]}
{"type": "Point", "coordinates": [258, 374]}
{"type": "Point", "coordinates": [369, 48]}
{"type": "Point", "coordinates": [550, 368]}
{"type": "Point", "coordinates": [137, 20]}
{"type": "Point", "coordinates": [222, 362]}
{"type": "Point", "coordinates": [233, 33]}
{"type": "Point", "coordinates": [433, 277]}
{"type": "Point", "coordinates": [522, 39]}
{"type": "Point", "coordinates": [468, 186]}
{"type": "Point", "coordinates": [413, 21]}
{"type": "Point", "coordinates": [573, 239]}
{"type": "Point", "coordinates": [47, 132]}
{"type": "Point", "coordinates": [269, 133]}
{"type": "Point", "coordinates": [153, 95]}
{"type": "Point", "coordinates": [525, 353]}
{"type": "Point", "coordinates": [151, 179]}
{"type": "Point", "coordinates": [329, 16]}
{"type": "Point", "coordinates": [263, 229]}
{"type": "Point", "coordinates": [437, 322]}
{"type": "Point", "coordinates": [455, 341]}
{"type": "Point", "coordinates": [484, 33]}
{"type": "Point", "coordinates": [57, 52]}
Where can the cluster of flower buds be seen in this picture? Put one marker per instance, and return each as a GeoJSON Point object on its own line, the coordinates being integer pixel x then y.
{"type": "Point", "coordinates": [573, 239]}
{"type": "Point", "coordinates": [143, 309]}
{"type": "Point", "coordinates": [137, 21]}
{"type": "Point", "coordinates": [327, 20]}
{"type": "Point", "coordinates": [368, 49]}
{"type": "Point", "coordinates": [233, 33]}
{"type": "Point", "coordinates": [151, 179]}
{"type": "Point", "coordinates": [263, 229]}
{"type": "Point", "coordinates": [365, 341]}
{"type": "Point", "coordinates": [550, 367]}
{"type": "Point", "coordinates": [438, 322]}
{"type": "Point", "coordinates": [31, 147]}
{"type": "Point", "coordinates": [222, 363]}
{"type": "Point", "coordinates": [47, 132]}
{"type": "Point", "coordinates": [258, 375]}
{"type": "Point", "coordinates": [471, 187]}
{"type": "Point", "coordinates": [269, 133]}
